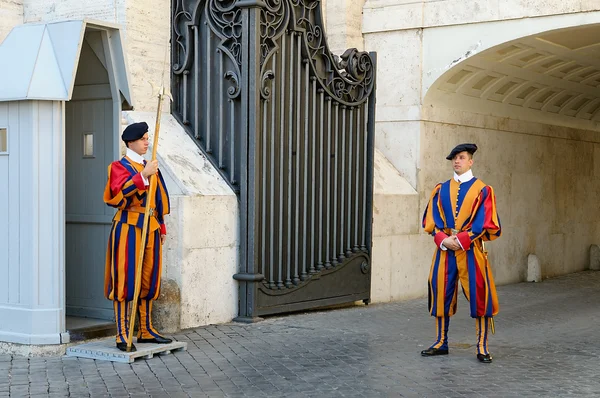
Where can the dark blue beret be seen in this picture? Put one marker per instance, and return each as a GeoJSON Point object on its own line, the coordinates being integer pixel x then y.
{"type": "Point", "coordinates": [471, 148]}
{"type": "Point", "coordinates": [134, 131]}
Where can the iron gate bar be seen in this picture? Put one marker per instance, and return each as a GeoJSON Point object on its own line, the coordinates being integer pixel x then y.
{"type": "Point", "coordinates": [290, 277]}
{"type": "Point", "coordinates": [290, 127]}
{"type": "Point", "coordinates": [208, 97]}
{"type": "Point", "coordinates": [320, 258]}
{"type": "Point", "coordinates": [297, 170]}
{"type": "Point", "coordinates": [312, 167]}
{"type": "Point", "coordinates": [335, 185]}
{"type": "Point", "coordinates": [304, 275]}
{"type": "Point", "coordinates": [281, 160]}
{"type": "Point", "coordinates": [341, 255]}
{"type": "Point", "coordinates": [197, 85]}
{"type": "Point", "coordinates": [356, 248]}
{"type": "Point", "coordinates": [350, 155]}
{"type": "Point", "coordinates": [221, 109]}
{"type": "Point", "coordinates": [272, 178]}
{"type": "Point", "coordinates": [327, 209]}
{"type": "Point", "coordinates": [369, 170]}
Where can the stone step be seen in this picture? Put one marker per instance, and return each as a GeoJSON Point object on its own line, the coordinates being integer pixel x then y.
{"type": "Point", "coordinates": [81, 329]}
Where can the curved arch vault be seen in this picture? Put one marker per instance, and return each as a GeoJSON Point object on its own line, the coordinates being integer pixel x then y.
{"type": "Point", "coordinates": [551, 77]}
{"type": "Point", "coordinates": [532, 103]}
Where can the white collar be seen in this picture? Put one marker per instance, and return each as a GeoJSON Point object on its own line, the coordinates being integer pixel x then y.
{"type": "Point", "coordinates": [134, 156]}
{"type": "Point", "coordinates": [465, 177]}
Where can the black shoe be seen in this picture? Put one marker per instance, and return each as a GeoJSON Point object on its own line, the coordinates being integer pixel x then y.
{"type": "Point", "coordinates": [487, 358]}
{"type": "Point", "coordinates": [430, 352]}
{"type": "Point", "coordinates": [155, 340]}
{"type": "Point", "coordinates": [123, 347]}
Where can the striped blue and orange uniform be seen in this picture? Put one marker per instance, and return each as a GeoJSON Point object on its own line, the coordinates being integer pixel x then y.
{"type": "Point", "coordinates": [126, 191]}
{"type": "Point", "coordinates": [467, 210]}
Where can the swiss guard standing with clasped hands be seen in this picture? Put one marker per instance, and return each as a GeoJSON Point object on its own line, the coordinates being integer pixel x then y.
{"type": "Point", "coordinates": [127, 190]}
{"type": "Point", "coordinates": [461, 215]}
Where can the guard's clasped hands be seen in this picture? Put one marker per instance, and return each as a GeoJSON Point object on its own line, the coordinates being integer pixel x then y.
{"type": "Point", "coordinates": [451, 243]}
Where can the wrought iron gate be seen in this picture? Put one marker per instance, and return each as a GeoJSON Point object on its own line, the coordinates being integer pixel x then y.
{"type": "Point", "coordinates": [291, 127]}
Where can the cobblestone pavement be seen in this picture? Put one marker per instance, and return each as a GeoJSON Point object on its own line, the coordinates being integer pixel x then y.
{"type": "Point", "coordinates": [545, 345]}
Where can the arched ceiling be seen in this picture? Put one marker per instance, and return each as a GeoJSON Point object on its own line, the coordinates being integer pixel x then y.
{"type": "Point", "coordinates": [551, 77]}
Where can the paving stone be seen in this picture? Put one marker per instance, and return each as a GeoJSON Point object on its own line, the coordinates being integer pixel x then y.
{"type": "Point", "coordinates": [541, 348]}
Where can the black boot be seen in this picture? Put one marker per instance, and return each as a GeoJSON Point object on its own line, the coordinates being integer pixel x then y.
{"type": "Point", "coordinates": [123, 347]}
{"type": "Point", "coordinates": [122, 320]}
{"type": "Point", "coordinates": [482, 325]}
{"type": "Point", "coordinates": [487, 358]}
{"type": "Point", "coordinates": [440, 347]}
{"type": "Point", "coordinates": [430, 352]}
{"type": "Point", "coordinates": [147, 332]}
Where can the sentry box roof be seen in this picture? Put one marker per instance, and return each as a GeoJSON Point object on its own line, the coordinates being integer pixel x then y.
{"type": "Point", "coordinates": [39, 61]}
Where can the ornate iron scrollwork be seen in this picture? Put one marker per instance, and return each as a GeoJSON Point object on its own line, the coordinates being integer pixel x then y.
{"type": "Point", "coordinates": [225, 20]}
{"type": "Point", "coordinates": [265, 90]}
{"type": "Point", "coordinates": [235, 89]}
{"type": "Point", "coordinates": [349, 79]}
{"type": "Point", "coordinates": [273, 22]}
{"type": "Point", "coordinates": [182, 18]}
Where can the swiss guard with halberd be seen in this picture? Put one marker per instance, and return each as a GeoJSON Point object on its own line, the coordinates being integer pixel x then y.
{"type": "Point", "coordinates": [127, 190]}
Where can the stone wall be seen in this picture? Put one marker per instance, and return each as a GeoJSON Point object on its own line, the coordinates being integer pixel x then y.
{"type": "Point", "coordinates": [401, 254]}
{"type": "Point", "coordinates": [545, 178]}
{"type": "Point", "coordinates": [343, 21]}
{"type": "Point", "coordinates": [398, 98]}
{"type": "Point", "coordinates": [393, 15]}
{"type": "Point", "coordinates": [51, 10]}
{"type": "Point", "coordinates": [11, 14]}
{"type": "Point", "coordinates": [147, 33]}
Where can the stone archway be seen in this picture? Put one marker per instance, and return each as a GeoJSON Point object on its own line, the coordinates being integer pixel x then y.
{"type": "Point", "coordinates": [551, 77]}
{"type": "Point", "coordinates": [532, 103]}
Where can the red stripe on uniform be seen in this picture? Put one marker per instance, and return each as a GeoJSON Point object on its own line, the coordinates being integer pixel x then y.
{"type": "Point", "coordinates": [480, 293]}
{"type": "Point", "coordinates": [487, 207]}
{"type": "Point", "coordinates": [118, 176]}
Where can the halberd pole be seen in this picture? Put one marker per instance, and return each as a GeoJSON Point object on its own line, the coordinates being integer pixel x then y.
{"type": "Point", "coordinates": [147, 211]}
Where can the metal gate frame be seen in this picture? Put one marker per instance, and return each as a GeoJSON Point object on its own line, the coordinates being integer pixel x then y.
{"type": "Point", "coordinates": [229, 62]}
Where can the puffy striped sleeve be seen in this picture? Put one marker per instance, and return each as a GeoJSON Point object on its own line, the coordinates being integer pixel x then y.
{"type": "Point", "coordinates": [163, 204]}
{"type": "Point", "coordinates": [121, 185]}
{"type": "Point", "coordinates": [485, 223]}
{"type": "Point", "coordinates": [433, 217]}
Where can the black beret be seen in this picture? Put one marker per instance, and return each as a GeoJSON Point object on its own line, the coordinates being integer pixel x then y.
{"type": "Point", "coordinates": [471, 148]}
{"type": "Point", "coordinates": [134, 131]}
